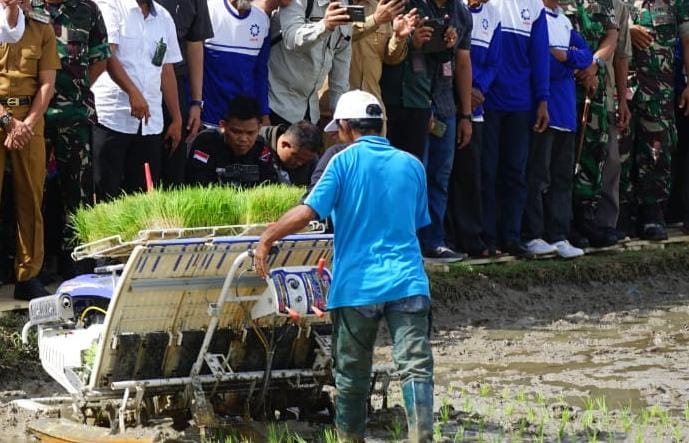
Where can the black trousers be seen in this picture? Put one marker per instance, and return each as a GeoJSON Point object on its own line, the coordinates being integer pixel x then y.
{"type": "Point", "coordinates": [408, 129]}
{"type": "Point", "coordinates": [464, 215]}
{"type": "Point", "coordinates": [173, 163]}
{"type": "Point", "coordinates": [118, 161]}
{"type": "Point", "coordinates": [549, 177]}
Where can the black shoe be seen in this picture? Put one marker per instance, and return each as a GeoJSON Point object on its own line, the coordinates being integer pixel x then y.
{"type": "Point", "coordinates": [30, 289]}
{"type": "Point", "coordinates": [602, 237]}
{"type": "Point", "coordinates": [654, 232]}
{"type": "Point", "coordinates": [577, 240]}
{"type": "Point", "coordinates": [443, 254]}
{"type": "Point", "coordinates": [516, 249]}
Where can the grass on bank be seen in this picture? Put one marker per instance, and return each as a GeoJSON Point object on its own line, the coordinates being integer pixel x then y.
{"type": "Point", "coordinates": [187, 207]}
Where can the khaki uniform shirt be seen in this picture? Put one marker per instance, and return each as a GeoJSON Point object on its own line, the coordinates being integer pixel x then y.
{"type": "Point", "coordinates": [373, 45]}
{"type": "Point", "coordinates": [21, 62]}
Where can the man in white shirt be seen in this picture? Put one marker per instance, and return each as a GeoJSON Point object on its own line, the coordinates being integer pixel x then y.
{"type": "Point", "coordinates": [314, 42]}
{"type": "Point", "coordinates": [129, 96]}
{"type": "Point", "coordinates": [11, 21]}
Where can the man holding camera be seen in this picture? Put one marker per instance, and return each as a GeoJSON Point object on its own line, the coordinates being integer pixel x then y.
{"type": "Point", "coordinates": [314, 42]}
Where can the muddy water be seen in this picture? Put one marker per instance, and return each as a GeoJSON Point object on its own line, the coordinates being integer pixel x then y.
{"type": "Point", "coordinates": [634, 358]}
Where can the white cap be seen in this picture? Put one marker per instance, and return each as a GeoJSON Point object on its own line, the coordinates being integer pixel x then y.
{"type": "Point", "coordinates": [353, 104]}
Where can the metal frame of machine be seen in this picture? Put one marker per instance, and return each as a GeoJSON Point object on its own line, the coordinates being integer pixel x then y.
{"type": "Point", "coordinates": [185, 326]}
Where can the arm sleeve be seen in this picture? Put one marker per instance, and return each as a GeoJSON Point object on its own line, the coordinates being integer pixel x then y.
{"type": "Point", "coordinates": [683, 17]}
{"type": "Point", "coordinates": [484, 77]}
{"type": "Point", "coordinates": [624, 40]}
{"type": "Point", "coordinates": [261, 76]}
{"type": "Point", "coordinates": [579, 56]}
{"type": "Point", "coordinates": [338, 80]}
{"type": "Point", "coordinates": [197, 172]}
{"type": "Point", "coordinates": [325, 194]}
{"type": "Point", "coordinates": [99, 49]}
{"type": "Point", "coordinates": [173, 53]}
{"type": "Point", "coordinates": [11, 35]}
{"type": "Point", "coordinates": [296, 32]}
{"type": "Point", "coordinates": [49, 61]}
{"type": "Point", "coordinates": [361, 30]}
{"type": "Point", "coordinates": [539, 55]}
{"type": "Point", "coordinates": [201, 28]}
{"type": "Point", "coordinates": [112, 19]}
{"type": "Point", "coordinates": [395, 51]}
{"type": "Point", "coordinates": [467, 24]}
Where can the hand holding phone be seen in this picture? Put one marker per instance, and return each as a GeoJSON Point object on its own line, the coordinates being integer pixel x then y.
{"type": "Point", "coordinates": [335, 15]}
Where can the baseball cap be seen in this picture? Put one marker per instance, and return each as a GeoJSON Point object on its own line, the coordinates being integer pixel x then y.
{"type": "Point", "coordinates": [354, 104]}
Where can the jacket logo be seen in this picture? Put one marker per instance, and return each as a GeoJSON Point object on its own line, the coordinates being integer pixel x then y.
{"type": "Point", "coordinates": [526, 15]}
{"type": "Point", "coordinates": [485, 24]}
{"type": "Point", "coordinates": [254, 30]}
{"type": "Point", "coordinates": [265, 155]}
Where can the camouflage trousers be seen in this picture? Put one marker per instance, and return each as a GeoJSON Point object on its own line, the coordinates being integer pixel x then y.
{"type": "Point", "coordinates": [70, 175]}
{"type": "Point", "coordinates": [647, 167]}
{"type": "Point", "coordinates": [588, 182]}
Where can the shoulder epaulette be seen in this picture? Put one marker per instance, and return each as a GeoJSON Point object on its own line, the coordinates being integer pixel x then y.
{"type": "Point", "coordinates": [41, 18]}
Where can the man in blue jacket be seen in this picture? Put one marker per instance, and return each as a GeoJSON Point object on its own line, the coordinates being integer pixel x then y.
{"type": "Point", "coordinates": [378, 267]}
{"type": "Point", "coordinates": [521, 87]}
{"type": "Point", "coordinates": [551, 159]}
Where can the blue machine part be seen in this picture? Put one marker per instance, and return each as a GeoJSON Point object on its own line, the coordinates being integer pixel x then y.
{"type": "Point", "coordinates": [89, 285]}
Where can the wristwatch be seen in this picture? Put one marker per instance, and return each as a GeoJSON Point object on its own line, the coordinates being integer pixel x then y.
{"type": "Point", "coordinates": [198, 103]}
{"type": "Point", "coordinates": [465, 116]}
{"type": "Point", "coordinates": [5, 120]}
{"type": "Point", "coordinates": [599, 61]}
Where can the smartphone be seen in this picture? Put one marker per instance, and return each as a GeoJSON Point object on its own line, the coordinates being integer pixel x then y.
{"type": "Point", "coordinates": [356, 13]}
{"type": "Point", "coordinates": [437, 41]}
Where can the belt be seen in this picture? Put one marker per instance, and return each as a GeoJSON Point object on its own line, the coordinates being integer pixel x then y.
{"type": "Point", "coordinates": [15, 101]}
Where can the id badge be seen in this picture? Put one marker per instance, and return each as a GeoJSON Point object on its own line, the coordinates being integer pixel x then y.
{"type": "Point", "coordinates": [447, 69]}
{"type": "Point", "coordinates": [159, 55]}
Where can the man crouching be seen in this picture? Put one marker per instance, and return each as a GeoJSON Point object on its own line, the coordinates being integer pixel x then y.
{"type": "Point", "coordinates": [377, 197]}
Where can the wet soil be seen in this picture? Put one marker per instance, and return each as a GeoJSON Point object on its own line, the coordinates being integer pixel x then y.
{"type": "Point", "coordinates": [565, 351]}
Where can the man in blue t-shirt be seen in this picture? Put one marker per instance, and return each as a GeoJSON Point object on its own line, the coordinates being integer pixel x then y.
{"type": "Point", "coordinates": [376, 195]}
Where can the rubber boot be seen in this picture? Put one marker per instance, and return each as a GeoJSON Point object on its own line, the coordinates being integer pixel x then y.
{"type": "Point", "coordinates": [418, 402]}
{"type": "Point", "coordinates": [350, 418]}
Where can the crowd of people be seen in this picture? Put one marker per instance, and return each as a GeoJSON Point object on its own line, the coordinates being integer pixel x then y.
{"type": "Point", "coordinates": [543, 126]}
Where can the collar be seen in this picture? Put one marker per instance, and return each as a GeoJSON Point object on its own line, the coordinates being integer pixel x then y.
{"type": "Point", "coordinates": [375, 139]}
{"type": "Point", "coordinates": [235, 13]}
{"type": "Point", "coordinates": [475, 9]}
{"type": "Point", "coordinates": [133, 4]}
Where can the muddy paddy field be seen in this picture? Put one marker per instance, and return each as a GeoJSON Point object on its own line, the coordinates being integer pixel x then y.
{"type": "Point", "coordinates": [586, 350]}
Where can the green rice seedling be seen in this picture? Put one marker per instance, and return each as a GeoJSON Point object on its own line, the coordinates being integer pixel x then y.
{"type": "Point", "coordinates": [627, 419]}
{"type": "Point", "coordinates": [295, 438]}
{"type": "Point", "coordinates": [459, 435]}
{"type": "Point", "coordinates": [521, 396]}
{"type": "Point", "coordinates": [484, 391]}
{"type": "Point", "coordinates": [589, 404]}
{"type": "Point", "coordinates": [645, 417]}
{"type": "Point", "coordinates": [540, 398]}
{"type": "Point", "coordinates": [564, 421]}
{"type": "Point", "coordinates": [531, 415]}
{"type": "Point", "coordinates": [509, 410]}
{"type": "Point", "coordinates": [686, 411]}
{"type": "Point", "coordinates": [330, 435]}
{"type": "Point", "coordinates": [444, 411]}
{"type": "Point", "coordinates": [481, 427]}
{"type": "Point", "coordinates": [505, 395]}
{"type": "Point", "coordinates": [677, 432]}
{"type": "Point", "coordinates": [468, 405]}
{"type": "Point", "coordinates": [274, 433]}
{"type": "Point", "coordinates": [395, 428]}
{"type": "Point", "coordinates": [541, 430]}
{"type": "Point", "coordinates": [639, 435]}
{"type": "Point", "coordinates": [437, 432]}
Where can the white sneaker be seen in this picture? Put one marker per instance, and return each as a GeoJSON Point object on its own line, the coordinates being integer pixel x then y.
{"type": "Point", "coordinates": [566, 250]}
{"type": "Point", "coordinates": [538, 246]}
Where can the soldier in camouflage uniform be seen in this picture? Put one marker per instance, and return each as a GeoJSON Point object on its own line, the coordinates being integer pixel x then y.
{"type": "Point", "coordinates": [83, 49]}
{"type": "Point", "coordinates": [595, 21]}
{"type": "Point", "coordinates": [657, 26]}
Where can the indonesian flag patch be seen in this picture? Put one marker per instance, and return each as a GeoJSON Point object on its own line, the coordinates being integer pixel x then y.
{"type": "Point", "coordinates": [201, 156]}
